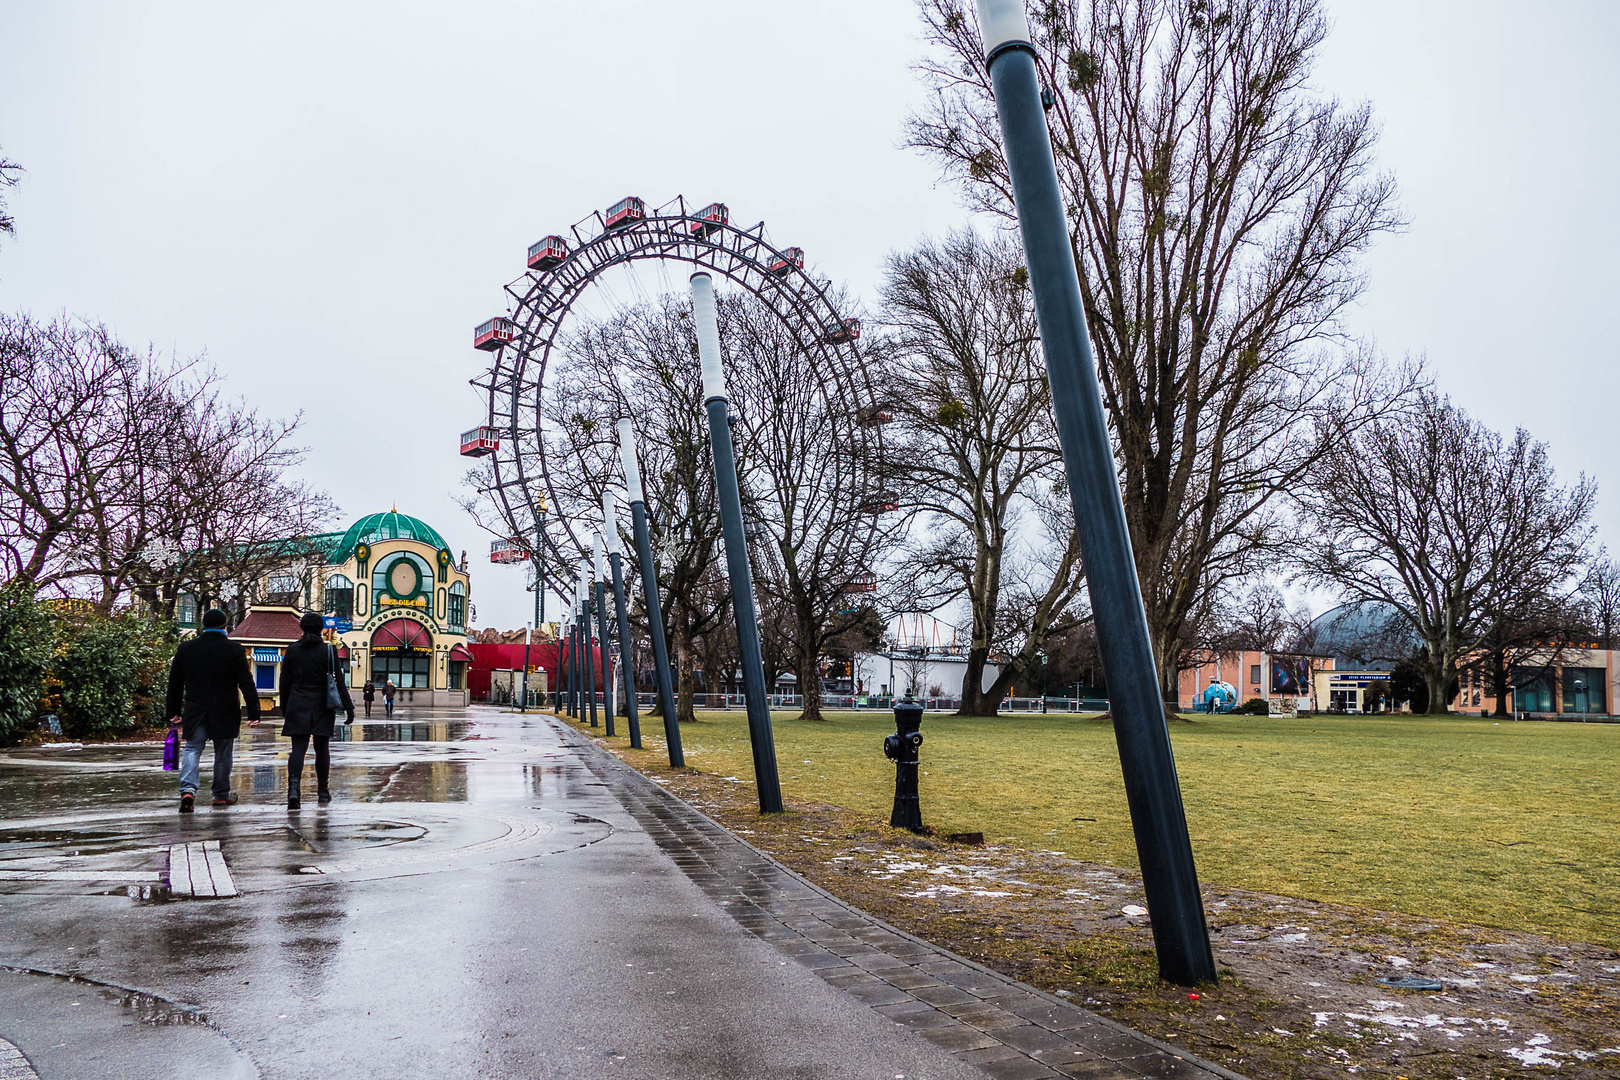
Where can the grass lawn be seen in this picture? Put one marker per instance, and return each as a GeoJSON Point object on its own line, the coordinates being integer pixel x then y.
{"type": "Point", "coordinates": [1509, 824]}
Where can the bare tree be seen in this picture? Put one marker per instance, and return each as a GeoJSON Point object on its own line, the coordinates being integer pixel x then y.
{"type": "Point", "coordinates": [1219, 211]}
{"type": "Point", "coordinates": [10, 175]}
{"type": "Point", "coordinates": [818, 528]}
{"type": "Point", "coordinates": [976, 449]}
{"type": "Point", "coordinates": [1599, 600]}
{"type": "Point", "coordinates": [121, 474]}
{"type": "Point", "coordinates": [1454, 527]}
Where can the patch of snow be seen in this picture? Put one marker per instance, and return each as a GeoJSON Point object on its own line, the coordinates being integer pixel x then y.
{"type": "Point", "coordinates": [1292, 937]}
{"type": "Point", "coordinates": [1524, 978]}
{"type": "Point", "coordinates": [1399, 961]}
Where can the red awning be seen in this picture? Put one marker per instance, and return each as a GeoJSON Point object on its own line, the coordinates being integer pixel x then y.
{"type": "Point", "coordinates": [343, 652]}
{"type": "Point", "coordinates": [460, 652]}
{"type": "Point", "coordinates": [401, 634]}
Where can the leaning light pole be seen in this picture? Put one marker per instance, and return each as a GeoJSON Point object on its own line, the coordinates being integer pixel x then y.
{"type": "Point", "coordinates": [649, 592]}
{"type": "Point", "coordinates": [1158, 818]}
{"type": "Point", "coordinates": [715, 401]}
{"type": "Point", "coordinates": [585, 635]}
{"type": "Point", "coordinates": [627, 669]}
{"type": "Point", "coordinates": [600, 573]}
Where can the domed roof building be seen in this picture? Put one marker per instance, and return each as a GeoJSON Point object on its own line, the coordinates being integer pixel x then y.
{"type": "Point", "coordinates": [396, 601]}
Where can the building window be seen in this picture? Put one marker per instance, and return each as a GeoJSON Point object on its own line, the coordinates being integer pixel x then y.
{"type": "Point", "coordinates": [1254, 675]}
{"type": "Point", "coordinates": [264, 676]}
{"type": "Point", "coordinates": [1533, 690]}
{"type": "Point", "coordinates": [407, 671]}
{"type": "Point", "coordinates": [458, 608]}
{"type": "Point", "coordinates": [1583, 690]}
{"type": "Point", "coordinates": [339, 600]}
{"type": "Point", "coordinates": [438, 610]}
{"type": "Point", "coordinates": [404, 580]}
{"type": "Point", "coordinates": [185, 610]}
{"type": "Point", "coordinates": [282, 588]}
{"type": "Point", "coordinates": [457, 672]}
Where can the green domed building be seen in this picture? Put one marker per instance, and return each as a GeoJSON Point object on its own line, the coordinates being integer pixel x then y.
{"type": "Point", "coordinates": [396, 602]}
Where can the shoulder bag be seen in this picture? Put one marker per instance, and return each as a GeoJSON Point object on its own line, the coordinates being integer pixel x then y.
{"type": "Point", "coordinates": [334, 696]}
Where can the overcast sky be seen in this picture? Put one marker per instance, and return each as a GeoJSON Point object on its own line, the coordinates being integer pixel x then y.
{"type": "Point", "coordinates": [325, 198]}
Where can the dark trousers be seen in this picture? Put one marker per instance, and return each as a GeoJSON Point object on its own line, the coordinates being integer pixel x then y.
{"type": "Point", "coordinates": [295, 761]}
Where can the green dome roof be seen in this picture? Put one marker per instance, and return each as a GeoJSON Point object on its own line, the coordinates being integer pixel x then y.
{"type": "Point", "coordinates": [390, 526]}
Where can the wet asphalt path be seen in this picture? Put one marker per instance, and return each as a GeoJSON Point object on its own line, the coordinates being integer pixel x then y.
{"type": "Point", "coordinates": [475, 903]}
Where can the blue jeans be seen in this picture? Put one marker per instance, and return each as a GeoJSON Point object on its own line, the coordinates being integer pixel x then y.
{"type": "Point", "coordinates": [191, 763]}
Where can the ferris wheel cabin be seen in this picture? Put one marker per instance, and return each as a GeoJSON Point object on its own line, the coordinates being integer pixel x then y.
{"type": "Point", "coordinates": [625, 213]}
{"type": "Point", "coordinates": [880, 502]}
{"type": "Point", "coordinates": [710, 219]}
{"type": "Point", "coordinates": [548, 253]}
{"type": "Point", "coordinates": [480, 441]}
{"type": "Point", "coordinates": [791, 259]}
{"type": "Point", "coordinates": [873, 415]}
{"type": "Point", "coordinates": [507, 551]}
{"type": "Point", "coordinates": [491, 335]}
{"type": "Point", "coordinates": [850, 331]}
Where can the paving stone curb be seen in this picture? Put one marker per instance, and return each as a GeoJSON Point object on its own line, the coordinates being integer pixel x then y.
{"type": "Point", "coordinates": [1006, 1028]}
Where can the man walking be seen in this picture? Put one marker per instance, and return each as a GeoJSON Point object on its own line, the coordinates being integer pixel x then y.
{"type": "Point", "coordinates": [208, 673]}
{"type": "Point", "coordinates": [388, 697]}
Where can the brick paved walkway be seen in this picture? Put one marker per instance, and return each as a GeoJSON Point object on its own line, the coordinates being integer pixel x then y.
{"type": "Point", "coordinates": [1009, 1030]}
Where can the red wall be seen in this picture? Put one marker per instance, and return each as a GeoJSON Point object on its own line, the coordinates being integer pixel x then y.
{"type": "Point", "coordinates": [503, 657]}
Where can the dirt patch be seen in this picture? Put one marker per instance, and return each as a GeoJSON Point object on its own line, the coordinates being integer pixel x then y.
{"type": "Point", "coordinates": [1299, 994]}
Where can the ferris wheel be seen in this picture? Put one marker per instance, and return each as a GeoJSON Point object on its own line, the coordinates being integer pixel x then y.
{"type": "Point", "coordinates": [522, 480]}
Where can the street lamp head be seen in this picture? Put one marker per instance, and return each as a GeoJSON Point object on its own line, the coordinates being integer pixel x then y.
{"type": "Point", "coordinates": [1001, 25]}
{"type": "Point", "coordinates": [627, 456]}
{"type": "Point", "coordinates": [610, 522]}
{"type": "Point", "coordinates": [597, 546]}
{"type": "Point", "coordinates": [707, 322]}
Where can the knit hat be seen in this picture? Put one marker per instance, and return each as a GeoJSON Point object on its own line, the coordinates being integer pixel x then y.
{"type": "Point", "coordinates": [311, 623]}
{"type": "Point", "coordinates": [214, 619]}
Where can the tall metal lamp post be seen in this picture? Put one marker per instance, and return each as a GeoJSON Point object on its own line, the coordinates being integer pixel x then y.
{"type": "Point", "coordinates": [649, 592]}
{"type": "Point", "coordinates": [627, 669]}
{"type": "Point", "coordinates": [585, 636]}
{"type": "Point", "coordinates": [1158, 818]}
{"type": "Point", "coordinates": [598, 565]}
{"type": "Point", "coordinates": [731, 523]}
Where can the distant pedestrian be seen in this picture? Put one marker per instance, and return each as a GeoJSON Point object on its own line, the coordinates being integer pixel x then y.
{"type": "Point", "coordinates": [304, 708]}
{"type": "Point", "coordinates": [206, 677]}
{"type": "Point", "coordinates": [368, 694]}
{"type": "Point", "coordinates": [388, 697]}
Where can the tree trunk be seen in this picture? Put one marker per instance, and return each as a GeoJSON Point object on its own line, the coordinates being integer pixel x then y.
{"type": "Point", "coordinates": [975, 701]}
{"type": "Point", "coordinates": [1438, 683]}
{"type": "Point", "coordinates": [683, 679]}
{"type": "Point", "coordinates": [807, 668]}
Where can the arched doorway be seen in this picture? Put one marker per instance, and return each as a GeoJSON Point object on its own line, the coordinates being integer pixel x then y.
{"type": "Point", "coordinates": [402, 651]}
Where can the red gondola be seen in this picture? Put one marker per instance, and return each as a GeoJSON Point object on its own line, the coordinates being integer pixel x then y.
{"type": "Point", "coordinates": [548, 253]}
{"type": "Point", "coordinates": [873, 415]}
{"type": "Point", "coordinates": [480, 441]}
{"type": "Point", "coordinates": [862, 583]}
{"type": "Point", "coordinates": [710, 219]}
{"type": "Point", "coordinates": [850, 331]}
{"type": "Point", "coordinates": [507, 551]}
{"type": "Point", "coordinates": [624, 213]}
{"type": "Point", "coordinates": [880, 502]}
{"type": "Point", "coordinates": [791, 259]}
{"type": "Point", "coordinates": [491, 335]}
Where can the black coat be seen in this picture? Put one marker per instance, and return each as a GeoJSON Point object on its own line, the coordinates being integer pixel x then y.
{"type": "Point", "coordinates": [303, 687]}
{"type": "Point", "coordinates": [208, 673]}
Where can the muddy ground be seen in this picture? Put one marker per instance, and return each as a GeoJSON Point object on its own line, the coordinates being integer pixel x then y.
{"type": "Point", "coordinates": [1298, 997]}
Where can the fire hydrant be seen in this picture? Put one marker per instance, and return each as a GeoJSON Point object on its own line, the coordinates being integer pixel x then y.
{"type": "Point", "coordinates": [901, 747]}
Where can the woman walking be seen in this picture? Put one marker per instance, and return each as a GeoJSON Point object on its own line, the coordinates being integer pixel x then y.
{"type": "Point", "coordinates": [368, 694]}
{"type": "Point", "coordinates": [304, 679]}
